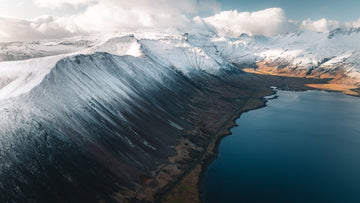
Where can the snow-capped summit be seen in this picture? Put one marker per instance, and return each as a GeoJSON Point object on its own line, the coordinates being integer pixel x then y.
{"type": "Point", "coordinates": [304, 54]}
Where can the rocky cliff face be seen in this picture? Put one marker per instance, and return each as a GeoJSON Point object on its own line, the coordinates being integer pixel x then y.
{"type": "Point", "coordinates": [100, 126]}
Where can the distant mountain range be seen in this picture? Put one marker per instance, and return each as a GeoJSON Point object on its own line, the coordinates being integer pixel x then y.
{"type": "Point", "coordinates": [312, 53]}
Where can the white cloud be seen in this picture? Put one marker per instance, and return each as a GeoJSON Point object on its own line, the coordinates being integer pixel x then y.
{"type": "Point", "coordinates": [54, 4]}
{"type": "Point", "coordinates": [353, 24]}
{"type": "Point", "coordinates": [40, 28]}
{"type": "Point", "coordinates": [322, 25]}
{"type": "Point", "coordinates": [147, 6]}
{"type": "Point", "coordinates": [265, 22]}
{"type": "Point", "coordinates": [137, 14]}
{"type": "Point", "coordinates": [105, 15]}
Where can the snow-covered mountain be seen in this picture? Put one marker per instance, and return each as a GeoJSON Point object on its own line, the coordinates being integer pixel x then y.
{"type": "Point", "coordinates": [304, 54]}
{"type": "Point", "coordinates": [115, 104]}
{"type": "Point", "coordinates": [305, 51]}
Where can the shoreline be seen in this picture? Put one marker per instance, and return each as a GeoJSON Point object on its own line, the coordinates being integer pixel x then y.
{"type": "Point", "coordinates": [214, 183]}
{"type": "Point", "coordinates": [337, 82]}
{"type": "Point", "coordinates": [211, 152]}
{"type": "Point", "coordinates": [208, 160]}
{"type": "Point", "coordinates": [198, 170]}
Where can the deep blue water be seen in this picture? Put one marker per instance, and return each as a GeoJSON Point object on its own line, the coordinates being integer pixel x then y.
{"type": "Point", "coordinates": [302, 147]}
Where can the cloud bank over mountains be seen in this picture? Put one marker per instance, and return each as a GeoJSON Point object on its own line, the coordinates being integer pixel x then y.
{"type": "Point", "coordinates": [140, 15]}
{"type": "Point", "coordinates": [265, 22]}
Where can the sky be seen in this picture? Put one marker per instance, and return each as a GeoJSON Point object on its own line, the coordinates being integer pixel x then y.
{"type": "Point", "coordinates": [46, 19]}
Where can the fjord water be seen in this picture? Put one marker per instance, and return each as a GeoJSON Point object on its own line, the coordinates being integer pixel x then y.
{"type": "Point", "coordinates": [303, 147]}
